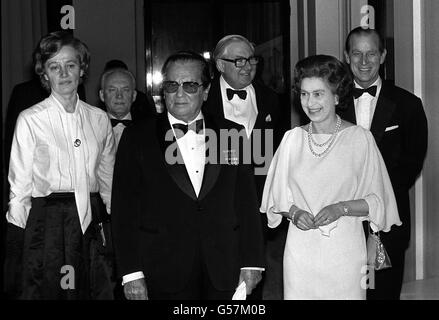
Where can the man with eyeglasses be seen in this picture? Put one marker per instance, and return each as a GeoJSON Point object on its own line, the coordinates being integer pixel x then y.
{"type": "Point", "coordinates": [183, 230]}
{"type": "Point", "coordinates": [237, 96]}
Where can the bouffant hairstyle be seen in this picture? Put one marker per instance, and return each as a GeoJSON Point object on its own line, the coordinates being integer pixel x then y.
{"type": "Point", "coordinates": [51, 44]}
{"type": "Point", "coordinates": [189, 56]}
{"type": "Point", "coordinates": [333, 71]}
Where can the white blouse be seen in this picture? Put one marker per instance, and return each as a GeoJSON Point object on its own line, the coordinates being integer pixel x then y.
{"type": "Point", "coordinates": [45, 160]}
{"type": "Point", "coordinates": [353, 169]}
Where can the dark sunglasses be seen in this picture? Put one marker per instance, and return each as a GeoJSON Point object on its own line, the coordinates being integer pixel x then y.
{"type": "Point", "coordinates": [241, 62]}
{"type": "Point", "coordinates": [188, 87]}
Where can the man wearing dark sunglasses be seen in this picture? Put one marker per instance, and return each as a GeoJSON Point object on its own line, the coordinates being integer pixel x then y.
{"type": "Point", "coordinates": [185, 230]}
{"type": "Point", "coordinates": [236, 95]}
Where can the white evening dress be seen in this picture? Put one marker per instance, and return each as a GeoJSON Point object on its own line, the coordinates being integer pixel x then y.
{"type": "Point", "coordinates": [329, 262]}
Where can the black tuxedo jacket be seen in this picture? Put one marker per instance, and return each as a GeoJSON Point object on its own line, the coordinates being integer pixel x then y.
{"type": "Point", "coordinates": [268, 118]}
{"type": "Point", "coordinates": [159, 224]}
{"type": "Point", "coordinates": [399, 126]}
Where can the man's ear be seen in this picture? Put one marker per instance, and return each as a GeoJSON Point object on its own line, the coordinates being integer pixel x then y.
{"type": "Point", "coordinates": [206, 93]}
{"type": "Point", "coordinates": [134, 95]}
{"type": "Point", "coordinates": [383, 56]}
{"type": "Point", "coordinates": [220, 65]}
{"type": "Point", "coordinates": [101, 95]}
{"type": "Point", "coordinates": [46, 77]}
{"type": "Point", "coordinates": [346, 56]}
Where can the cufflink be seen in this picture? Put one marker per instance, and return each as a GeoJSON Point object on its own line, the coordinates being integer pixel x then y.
{"type": "Point", "coordinates": [268, 118]}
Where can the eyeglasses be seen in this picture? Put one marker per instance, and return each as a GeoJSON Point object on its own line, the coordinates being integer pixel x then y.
{"type": "Point", "coordinates": [188, 87]}
{"type": "Point", "coordinates": [241, 62]}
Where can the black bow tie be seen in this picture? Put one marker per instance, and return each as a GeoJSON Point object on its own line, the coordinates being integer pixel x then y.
{"type": "Point", "coordinates": [115, 122]}
{"type": "Point", "coordinates": [241, 93]}
{"type": "Point", "coordinates": [181, 128]}
{"type": "Point", "coordinates": [358, 92]}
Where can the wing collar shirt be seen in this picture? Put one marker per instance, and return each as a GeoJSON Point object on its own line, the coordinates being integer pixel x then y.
{"type": "Point", "coordinates": [366, 104]}
{"type": "Point", "coordinates": [45, 160]}
{"type": "Point", "coordinates": [118, 129]}
{"type": "Point", "coordinates": [243, 112]}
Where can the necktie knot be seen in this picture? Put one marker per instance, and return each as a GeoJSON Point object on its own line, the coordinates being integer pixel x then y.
{"type": "Point", "coordinates": [240, 93]}
{"type": "Point", "coordinates": [181, 129]}
{"type": "Point", "coordinates": [115, 122]}
{"type": "Point", "coordinates": [358, 92]}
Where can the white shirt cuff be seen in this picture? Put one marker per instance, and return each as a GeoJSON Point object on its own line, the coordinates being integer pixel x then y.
{"type": "Point", "coordinates": [253, 268]}
{"type": "Point", "coordinates": [132, 276]}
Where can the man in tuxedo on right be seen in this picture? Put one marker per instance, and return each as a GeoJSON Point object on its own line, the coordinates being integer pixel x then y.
{"type": "Point", "coordinates": [398, 123]}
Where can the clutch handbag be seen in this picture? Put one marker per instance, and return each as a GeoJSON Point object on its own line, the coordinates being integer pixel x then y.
{"type": "Point", "coordinates": [377, 256]}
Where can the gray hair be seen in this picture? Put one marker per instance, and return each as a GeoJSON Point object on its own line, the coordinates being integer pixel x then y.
{"type": "Point", "coordinates": [222, 45]}
{"type": "Point", "coordinates": [108, 73]}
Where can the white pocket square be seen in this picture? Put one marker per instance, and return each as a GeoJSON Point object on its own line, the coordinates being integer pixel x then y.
{"type": "Point", "coordinates": [268, 118]}
{"type": "Point", "coordinates": [391, 128]}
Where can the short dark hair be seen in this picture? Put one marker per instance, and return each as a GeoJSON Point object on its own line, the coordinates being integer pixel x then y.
{"type": "Point", "coordinates": [185, 56]}
{"type": "Point", "coordinates": [358, 31]}
{"type": "Point", "coordinates": [51, 44]}
{"type": "Point", "coordinates": [329, 68]}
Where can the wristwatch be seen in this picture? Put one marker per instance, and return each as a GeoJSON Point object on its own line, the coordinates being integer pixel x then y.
{"type": "Point", "coordinates": [345, 209]}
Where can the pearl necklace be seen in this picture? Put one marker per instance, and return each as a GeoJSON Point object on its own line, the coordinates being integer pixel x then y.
{"type": "Point", "coordinates": [330, 141]}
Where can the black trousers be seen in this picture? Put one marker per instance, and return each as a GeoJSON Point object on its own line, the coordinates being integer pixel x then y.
{"type": "Point", "coordinates": [199, 286]}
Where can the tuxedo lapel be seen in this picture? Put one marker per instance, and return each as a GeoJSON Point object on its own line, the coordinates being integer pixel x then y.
{"type": "Point", "coordinates": [211, 170]}
{"type": "Point", "coordinates": [214, 105]}
{"type": "Point", "coordinates": [349, 112]}
{"type": "Point", "coordinates": [383, 113]}
{"type": "Point", "coordinates": [261, 106]}
{"type": "Point", "coordinates": [177, 171]}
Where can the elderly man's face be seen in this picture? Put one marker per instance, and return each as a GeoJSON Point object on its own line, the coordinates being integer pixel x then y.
{"type": "Point", "coordinates": [118, 94]}
{"type": "Point", "coordinates": [182, 105]}
{"type": "Point", "coordinates": [236, 77]}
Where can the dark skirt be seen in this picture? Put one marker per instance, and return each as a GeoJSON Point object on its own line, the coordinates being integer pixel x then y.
{"type": "Point", "coordinates": [52, 259]}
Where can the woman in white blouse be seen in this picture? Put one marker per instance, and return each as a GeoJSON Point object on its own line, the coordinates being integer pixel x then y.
{"type": "Point", "coordinates": [326, 178]}
{"type": "Point", "coordinates": [60, 170]}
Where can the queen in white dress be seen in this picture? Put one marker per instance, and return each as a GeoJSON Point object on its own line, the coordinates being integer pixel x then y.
{"type": "Point", "coordinates": [326, 178]}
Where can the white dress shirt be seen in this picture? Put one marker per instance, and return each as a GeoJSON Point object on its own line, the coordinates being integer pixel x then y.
{"type": "Point", "coordinates": [44, 159]}
{"type": "Point", "coordinates": [243, 112]}
{"type": "Point", "coordinates": [118, 129]}
{"type": "Point", "coordinates": [193, 150]}
{"type": "Point", "coordinates": [366, 104]}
